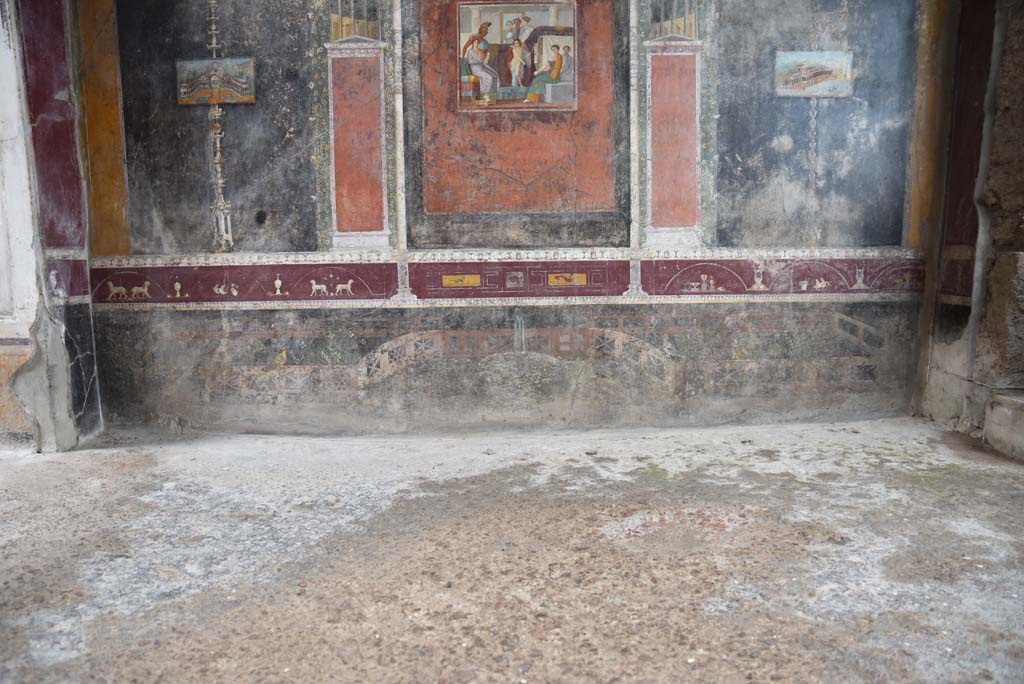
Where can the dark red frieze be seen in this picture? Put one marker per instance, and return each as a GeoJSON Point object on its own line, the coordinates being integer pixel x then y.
{"type": "Point", "coordinates": [250, 283]}
{"type": "Point", "coordinates": [494, 280]}
{"type": "Point", "coordinates": [786, 276]}
{"type": "Point", "coordinates": [957, 278]}
{"type": "Point", "coordinates": [519, 279]}
{"type": "Point", "coordinates": [70, 276]}
{"type": "Point", "coordinates": [52, 117]}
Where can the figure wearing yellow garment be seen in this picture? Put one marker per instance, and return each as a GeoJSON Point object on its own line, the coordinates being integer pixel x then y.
{"type": "Point", "coordinates": [549, 73]}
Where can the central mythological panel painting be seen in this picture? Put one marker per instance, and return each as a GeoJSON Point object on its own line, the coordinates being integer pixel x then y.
{"type": "Point", "coordinates": [517, 123]}
{"type": "Point", "coordinates": [520, 56]}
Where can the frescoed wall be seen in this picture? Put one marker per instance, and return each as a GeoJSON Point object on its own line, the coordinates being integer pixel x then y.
{"type": "Point", "coordinates": [419, 222]}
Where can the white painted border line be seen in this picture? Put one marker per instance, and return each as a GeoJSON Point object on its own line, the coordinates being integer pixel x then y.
{"type": "Point", "coordinates": [484, 256]}
{"type": "Point", "coordinates": [703, 300]}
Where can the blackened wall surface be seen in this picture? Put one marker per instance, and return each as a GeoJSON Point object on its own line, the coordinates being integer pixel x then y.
{"type": "Point", "coordinates": [85, 391]}
{"type": "Point", "coordinates": [379, 371]}
{"type": "Point", "coordinates": [814, 172]}
{"type": "Point", "coordinates": [267, 146]}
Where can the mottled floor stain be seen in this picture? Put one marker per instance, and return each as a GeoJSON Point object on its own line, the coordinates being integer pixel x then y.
{"type": "Point", "coordinates": [861, 553]}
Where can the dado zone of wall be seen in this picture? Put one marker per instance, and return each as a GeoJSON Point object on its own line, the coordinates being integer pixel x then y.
{"type": "Point", "coordinates": [374, 216]}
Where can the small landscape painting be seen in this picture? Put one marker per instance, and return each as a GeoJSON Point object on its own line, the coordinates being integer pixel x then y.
{"type": "Point", "coordinates": [216, 81]}
{"type": "Point", "coordinates": [813, 74]}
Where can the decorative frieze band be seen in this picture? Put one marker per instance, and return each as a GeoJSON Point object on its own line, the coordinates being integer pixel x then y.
{"type": "Point", "coordinates": [790, 276]}
{"type": "Point", "coordinates": [519, 279]}
{"type": "Point", "coordinates": [488, 283]}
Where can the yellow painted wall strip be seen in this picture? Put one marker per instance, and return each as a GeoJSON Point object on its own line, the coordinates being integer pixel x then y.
{"type": "Point", "coordinates": [104, 129]}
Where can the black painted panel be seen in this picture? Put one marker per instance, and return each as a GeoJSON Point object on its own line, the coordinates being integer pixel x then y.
{"type": "Point", "coordinates": [85, 393]}
{"type": "Point", "coordinates": [267, 146]}
{"type": "Point", "coordinates": [768, 145]}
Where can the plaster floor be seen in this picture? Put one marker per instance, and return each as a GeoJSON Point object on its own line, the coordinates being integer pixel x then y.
{"type": "Point", "coordinates": [887, 551]}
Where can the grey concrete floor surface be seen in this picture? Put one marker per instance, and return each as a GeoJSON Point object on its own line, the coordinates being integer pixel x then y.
{"type": "Point", "coordinates": [887, 551]}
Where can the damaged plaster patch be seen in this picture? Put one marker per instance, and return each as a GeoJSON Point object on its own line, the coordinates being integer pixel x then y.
{"type": "Point", "coordinates": [808, 217]}
{"type": "Point", "coordinates": [782, 144]}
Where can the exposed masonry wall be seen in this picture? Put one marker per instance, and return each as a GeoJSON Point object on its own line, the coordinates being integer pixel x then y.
{"type": "Point", "coordinates": [1000, 348]}
{"type": "Point", "coordinates": [429, 369]}
{"type": "Point", "coordinates": [974, 356]}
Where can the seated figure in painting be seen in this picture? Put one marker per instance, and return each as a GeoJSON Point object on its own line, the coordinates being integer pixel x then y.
{"type": "Point", "coordinates": [551, 72]}
{"type": "Point", "coordinates": [477, 52]}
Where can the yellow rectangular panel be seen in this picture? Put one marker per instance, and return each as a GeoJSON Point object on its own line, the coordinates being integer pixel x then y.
{"type": "Point", "coordinates": [103, 138]}
{"type": "Point", "coordinates": [567, 279]}
{"type": "Point", "coordinates": [460, 281]}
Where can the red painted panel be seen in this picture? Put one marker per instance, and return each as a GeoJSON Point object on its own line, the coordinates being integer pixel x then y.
{"type": "Point", "coordinates": [52, 115]}
{"type": "Point", "coordinates": [358, 170]}
{"type": "Point", "coordinates": [675, 194]}
{"type": "Point", "coordinates": [977, 25]}
{"type": "Point", "coordinates": [70, 275]}
{"type": "Point", "coordinates": [504, 161]}
{"type": "Point", "coordinates": [957, 278]}
{"type": "Point", "coordinates": [255, 283]}
{"type": "Point", "coordinates": [520, 279]}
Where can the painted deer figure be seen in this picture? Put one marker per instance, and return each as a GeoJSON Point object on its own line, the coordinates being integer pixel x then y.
{"type": "Point", "coordinates": [116, 291]}
{"type": "Point", "coordinates": [319, 289]}
{"type": "Point", "coordinates": [141, 292]}
{"type": "Point", "coordinates": [343, 287]}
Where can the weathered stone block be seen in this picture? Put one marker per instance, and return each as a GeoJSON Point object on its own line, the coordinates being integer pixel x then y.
{"type": "Point", "coordinates": [1004, 423]}
{"type": "Point", "coordinates": [1000, 356]}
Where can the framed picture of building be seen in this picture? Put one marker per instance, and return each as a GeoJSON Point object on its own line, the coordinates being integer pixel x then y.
{"type": "Point", "coordinates": [813, 74]}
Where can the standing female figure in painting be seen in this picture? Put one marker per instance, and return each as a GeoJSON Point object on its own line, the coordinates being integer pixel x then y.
{"type": "Point", "coordinates": [518, 64]}
{"type": "Point", "coordinates": [549, 73]}
{"type": "Point", "coordinates": [476, 52]}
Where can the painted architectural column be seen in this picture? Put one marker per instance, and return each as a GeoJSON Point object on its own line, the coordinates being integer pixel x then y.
{"type": "Point", "coordinates": [358, 143]}
{"type": "Point", "coordinates": [673, 213]}
{"type": "Point", "coordinates": [109, 234]}
{"type": "Point", "coordinates": [59, 384]}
